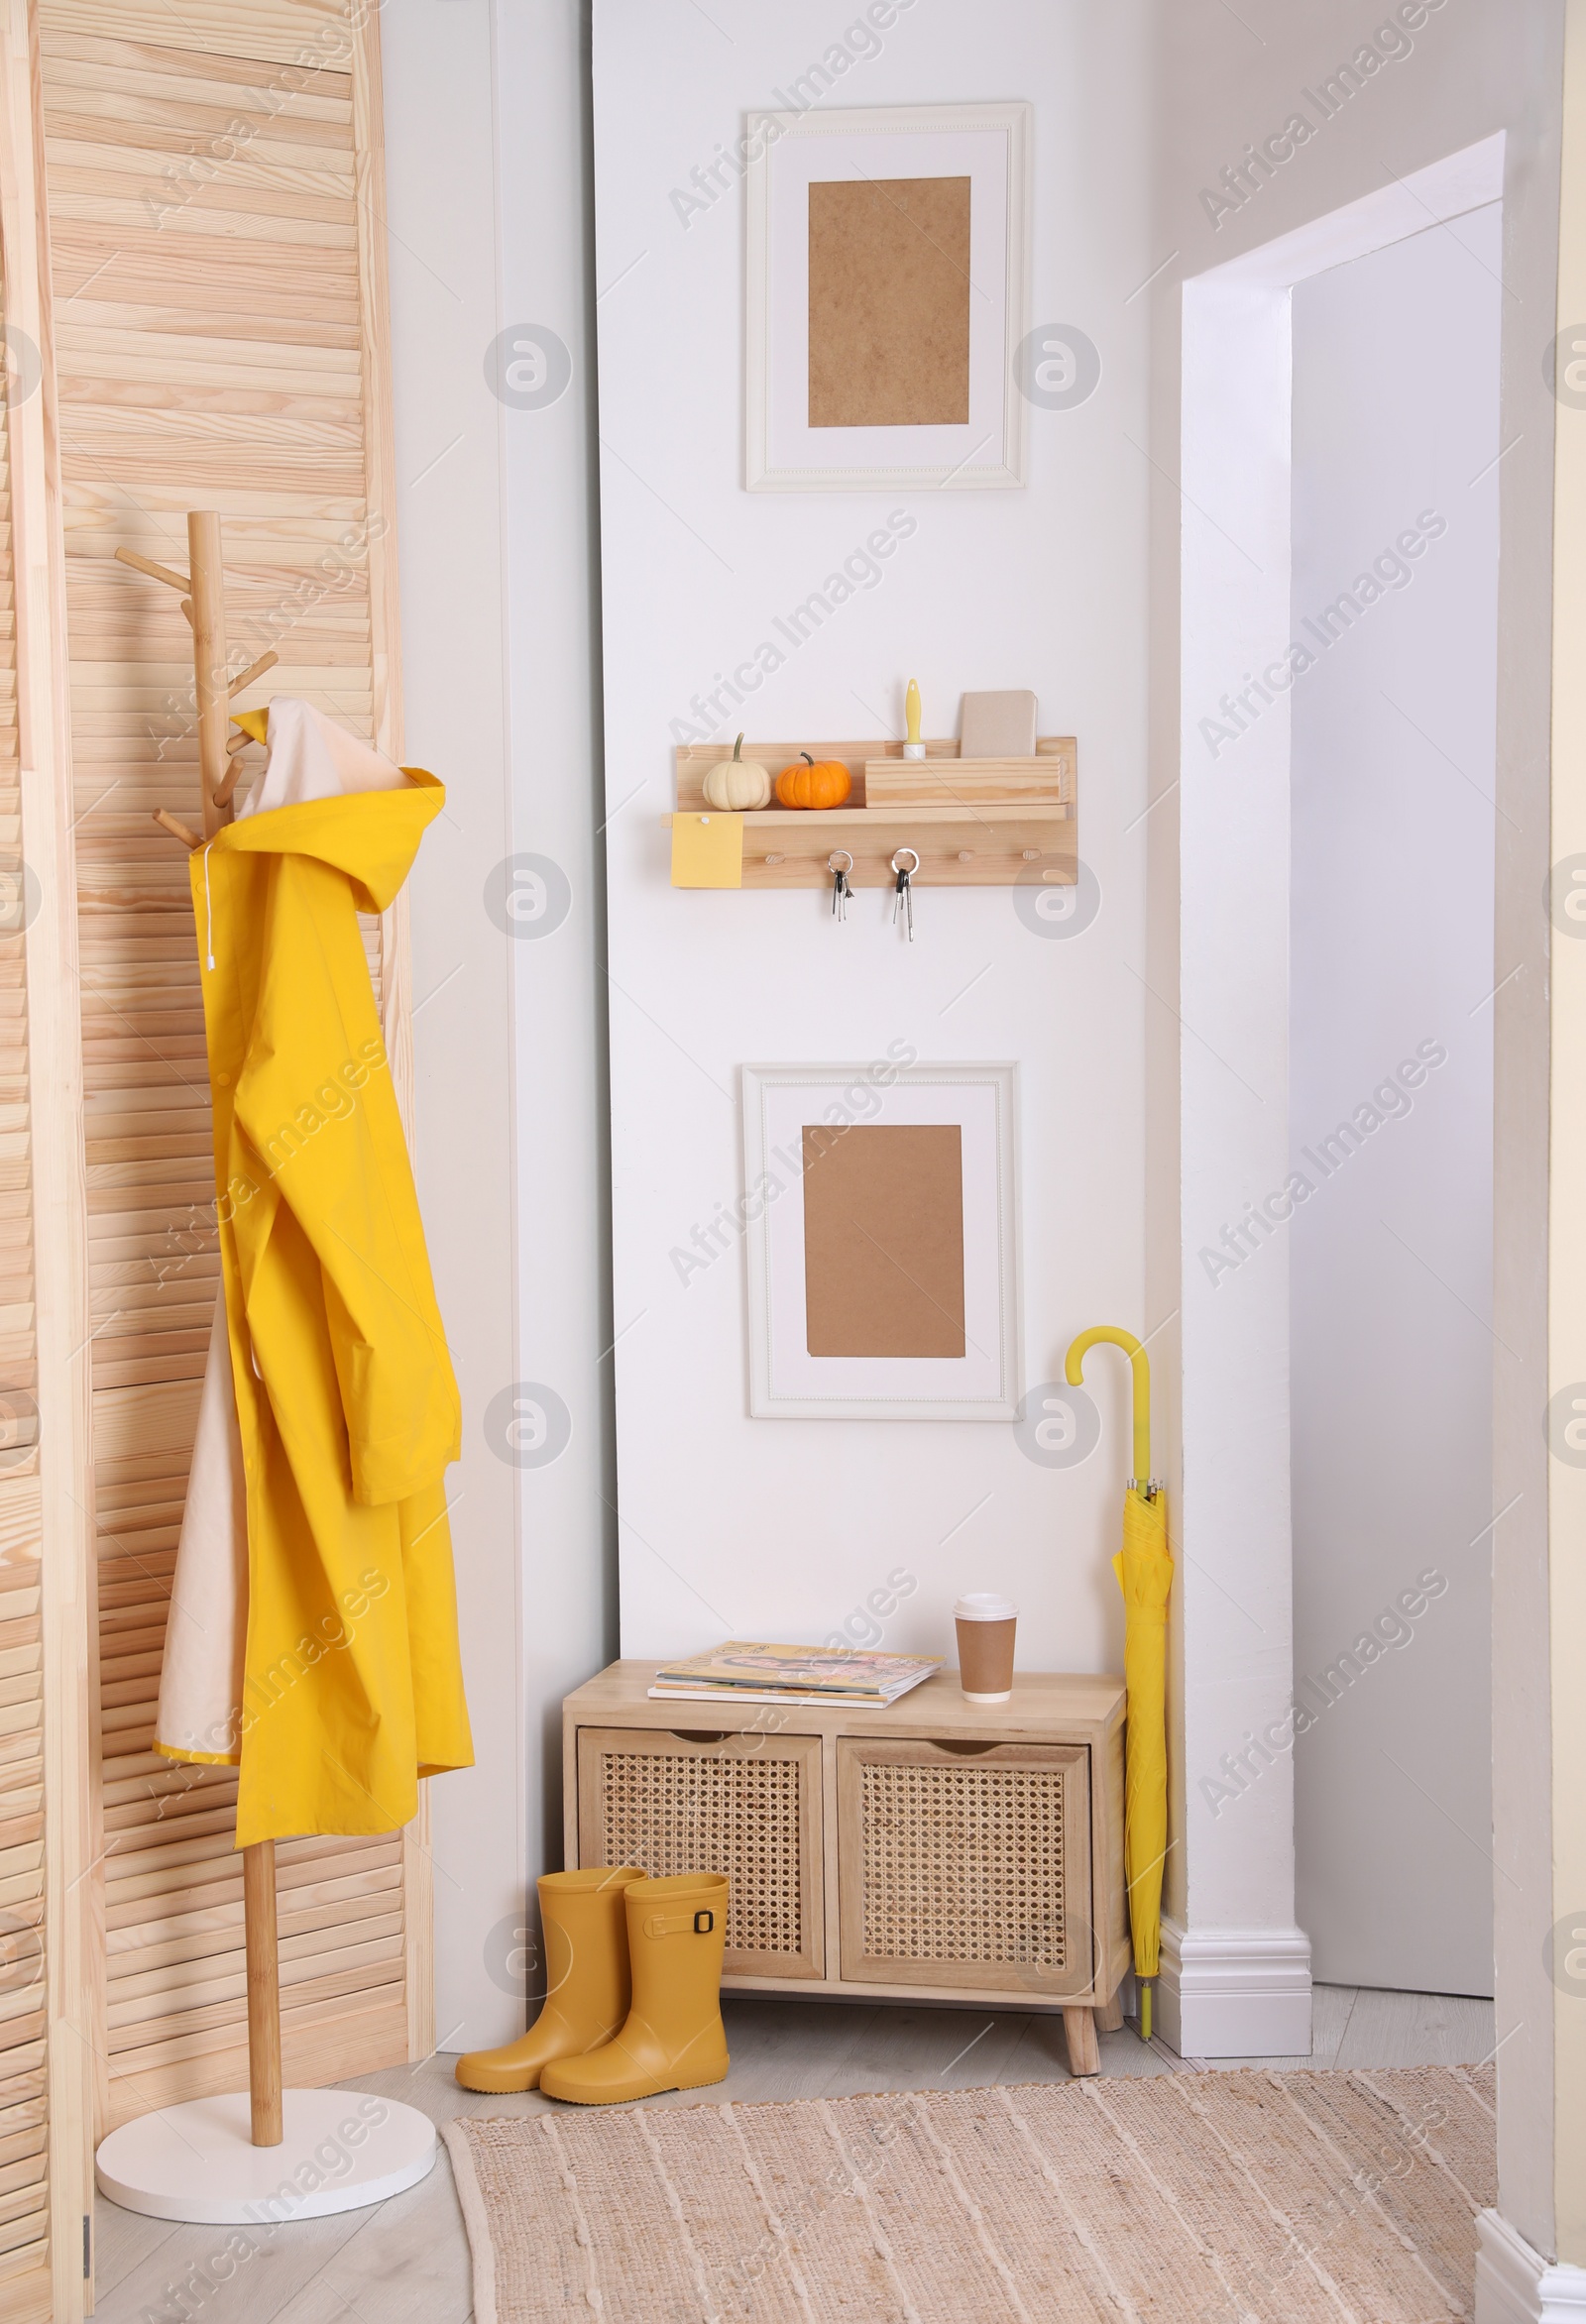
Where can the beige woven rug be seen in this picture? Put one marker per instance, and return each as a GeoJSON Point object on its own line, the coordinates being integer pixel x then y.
{"type": "Point", "coordinates": [1234, 2198]}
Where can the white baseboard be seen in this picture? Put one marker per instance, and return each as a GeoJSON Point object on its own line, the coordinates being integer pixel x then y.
{"type": "Point", "coordinates": [1517, 2285]}
{"type": "Point", "coordinates": [1234, 1992]}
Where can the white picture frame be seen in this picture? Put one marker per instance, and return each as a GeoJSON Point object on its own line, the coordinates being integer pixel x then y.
{"type": "Point", "coordinates": [787, 150]}
{"type": "Point", "coordinates": [785, 1382]}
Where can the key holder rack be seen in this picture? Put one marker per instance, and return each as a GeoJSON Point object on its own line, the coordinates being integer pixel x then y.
{"type": "Point", "coordinates": [972, 822]}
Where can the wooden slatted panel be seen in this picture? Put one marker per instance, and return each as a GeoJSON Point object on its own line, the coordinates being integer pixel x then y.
{"type": "Point", "coordinates": [24, 2068]}
{"type": "Point", "coordinates": [215, 300]}
{"type": "Point", "coordinates": [24, 2072]}
{"type": "Point", "coordinates": [18, 1368]}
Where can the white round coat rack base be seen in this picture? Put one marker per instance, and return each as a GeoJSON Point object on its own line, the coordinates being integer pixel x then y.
{"type": "Point", "coordinates": [342, 2150]}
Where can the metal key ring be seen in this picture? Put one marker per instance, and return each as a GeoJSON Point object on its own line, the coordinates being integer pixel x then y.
{"type": "Point", "coordinates": [897, 866]}
{"type": "Point", "coordinates": [832, 864]}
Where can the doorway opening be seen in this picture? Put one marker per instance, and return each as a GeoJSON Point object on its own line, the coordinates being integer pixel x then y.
{"type": "Point", "coordinates": [1392, 774]}
{"type": "Point", "coordinates": [1336, 874]}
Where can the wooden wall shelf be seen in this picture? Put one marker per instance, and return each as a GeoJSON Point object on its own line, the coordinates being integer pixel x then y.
{"type": "Point", "coordinates": [962, 839]}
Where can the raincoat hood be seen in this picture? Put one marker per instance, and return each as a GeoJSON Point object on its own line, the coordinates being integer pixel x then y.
{"type": "Point", "coordinates": [371, 836]}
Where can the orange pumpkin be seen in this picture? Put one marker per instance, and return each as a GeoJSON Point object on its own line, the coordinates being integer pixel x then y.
{"type": "Point", "coordinates": [816, 782]}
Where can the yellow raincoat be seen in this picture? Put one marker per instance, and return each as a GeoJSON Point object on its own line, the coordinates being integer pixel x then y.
{"type": "Point", "coordinates": [346, 1400]}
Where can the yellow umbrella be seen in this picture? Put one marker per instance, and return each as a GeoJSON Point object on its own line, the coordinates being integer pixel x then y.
{"type": "Point", "coordinates": [1145, 1575]}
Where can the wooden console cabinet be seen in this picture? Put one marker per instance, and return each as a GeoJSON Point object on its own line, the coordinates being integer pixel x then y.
{"type": "Point", "coordinates": [940, 1851]}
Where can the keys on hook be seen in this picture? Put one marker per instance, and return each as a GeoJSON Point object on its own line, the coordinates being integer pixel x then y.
{"type": "Point", "coordinates": [840, 863]}
{"type": "Point", "coordinates": [903, 902]}
{"type": "Point", "coordinates": [903, 899]}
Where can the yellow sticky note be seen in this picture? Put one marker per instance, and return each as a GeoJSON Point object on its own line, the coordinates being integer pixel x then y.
{"type": "Point", "coordinates": [707, 851]}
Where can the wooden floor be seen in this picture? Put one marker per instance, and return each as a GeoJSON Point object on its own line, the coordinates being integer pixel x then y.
{"type": "Point", "coordinates": [407, 2261]}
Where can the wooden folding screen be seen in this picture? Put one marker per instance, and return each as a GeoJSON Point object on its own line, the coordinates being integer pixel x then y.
{"type": "Point", "coordinates": [48, 2029]}
{"type": "Point", "coordinates": [23, 1918]}
{"type": "Point", "coordinates": [215, 211]}
{"type": "Point", "coordinates": [203, 298]}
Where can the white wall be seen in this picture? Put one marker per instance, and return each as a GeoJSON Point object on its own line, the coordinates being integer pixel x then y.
{"type": "Point", "coordinates": [441, 253]}
{"type": "Point", "coordinates": [781, 1528]}
{"type": "Point", "coordinates": [489, 222]}
{"type": "Point", "coordinates": [744, 1513]}
{"type": "Point", "coordinates": [563, 1265]}
{"type": "Point", "coordinates": [1395, 439]}
{"type": "Point", "coordinates": [1567, 1256]}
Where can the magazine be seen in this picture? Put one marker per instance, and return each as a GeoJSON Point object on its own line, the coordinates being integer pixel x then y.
{"type": "Point", "coordinates": [787, 1695]}
{"type": "Point", "coordinates": [806, 1674]}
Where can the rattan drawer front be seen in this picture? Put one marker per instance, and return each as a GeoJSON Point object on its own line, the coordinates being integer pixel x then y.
{"type": "Point", "coordinates": [747, 1805]}
{"type": "Point", "coordinates": [966, 1868]}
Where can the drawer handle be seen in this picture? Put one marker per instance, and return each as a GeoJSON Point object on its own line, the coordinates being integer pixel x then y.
{"type": "Point", "coordinates": [701, 1735]}
{"type": "Point", "coordinates": [963, 1750]}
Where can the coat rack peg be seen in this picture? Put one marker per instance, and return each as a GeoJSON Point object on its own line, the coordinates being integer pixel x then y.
{"type": "Point", "coordinates": [141, 563]}
{"type": "Point", "coordinates": [266, 661]}
{"type": "Point", "coordinates": [177, 830]}
{"type": "Point", "coordinates": [255, 725]}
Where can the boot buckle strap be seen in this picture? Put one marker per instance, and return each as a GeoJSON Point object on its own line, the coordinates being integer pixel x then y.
{"type": "Point", "coordinates": [699, 1923]}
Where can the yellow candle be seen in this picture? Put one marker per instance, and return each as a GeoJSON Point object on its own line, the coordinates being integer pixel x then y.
{"type": "Point", "coordinates": [911, 713]}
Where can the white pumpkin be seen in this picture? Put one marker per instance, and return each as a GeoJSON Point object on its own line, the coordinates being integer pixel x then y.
{"type": "Point", "coordinates": [735, 784]}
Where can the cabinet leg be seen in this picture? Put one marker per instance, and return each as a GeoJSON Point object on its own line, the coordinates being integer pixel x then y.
{"type": "Point", "coordinates": [1084, 2056]}
{"type": "Point", "coordinates": [1109, 2017]}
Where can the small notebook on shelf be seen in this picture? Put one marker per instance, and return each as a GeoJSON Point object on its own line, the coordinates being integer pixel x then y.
{"type": "Point", "coordinates": [845, 1676]}
{"type": "Point", "coordinates": [998, 725]}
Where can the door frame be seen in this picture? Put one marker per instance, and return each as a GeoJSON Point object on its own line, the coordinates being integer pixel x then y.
{"type": "Point", "coordinates": [1236, 1969]}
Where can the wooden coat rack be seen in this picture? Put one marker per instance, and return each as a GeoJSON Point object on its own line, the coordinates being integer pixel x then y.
{"type": "Point", "coordinates": [204, 601]}
{"type": "Point", "coordinates": [194, 2160]}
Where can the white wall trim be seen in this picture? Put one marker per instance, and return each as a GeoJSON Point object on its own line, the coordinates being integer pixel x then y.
{"type": "Point", "coordinates": [1517, 2285]}
{"type": "Point", "coordinates": [1235, 1992]}
{"type": "Point", "coordinates": [1444, 189]}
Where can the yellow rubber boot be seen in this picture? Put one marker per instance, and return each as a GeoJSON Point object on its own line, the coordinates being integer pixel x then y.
{"type": "Point", "coordinates": [674, 2038]}
{"type": "Point", "coordinates": [586, 1979]}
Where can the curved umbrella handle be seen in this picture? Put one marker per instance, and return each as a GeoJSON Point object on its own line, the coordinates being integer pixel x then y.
{"type": "Point", "coordinates": [1074, 1374]}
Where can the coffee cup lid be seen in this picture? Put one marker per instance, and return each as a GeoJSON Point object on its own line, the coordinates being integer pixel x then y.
{"type": "Point", "coordinates": [984, 1606]}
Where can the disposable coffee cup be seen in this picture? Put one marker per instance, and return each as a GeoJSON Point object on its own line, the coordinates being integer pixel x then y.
{"type": "Point", "coordinates": [985, 1624]}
